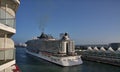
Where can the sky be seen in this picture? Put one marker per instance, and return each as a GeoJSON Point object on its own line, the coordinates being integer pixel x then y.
{"type": "Point", "coordinates": [86, 21]}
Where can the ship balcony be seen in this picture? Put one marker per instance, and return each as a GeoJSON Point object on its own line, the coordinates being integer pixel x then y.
{"type": "Point", "coordinates": [6, 55]}
{"type": "Point", "coordinates": [7, 25]}
{"type": "Point", "coordinates": [7, 52]}
{"type": "Point", "coordinates": [7, 58]}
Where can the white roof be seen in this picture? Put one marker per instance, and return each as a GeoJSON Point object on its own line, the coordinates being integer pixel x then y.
{"type": "Point", "coordinates": [96, 49]}
{"type": "Point", "coordinates": [89, 49]}
{"type": "Point", "coordinates": [110, 50]}
{"type": "Point", "coordinates": [102, 49]}
{"type": "Point", "coordinates": [117, 51]}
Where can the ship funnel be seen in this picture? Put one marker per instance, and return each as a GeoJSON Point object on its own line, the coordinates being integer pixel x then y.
{"type": "Point", "coordinates": [65, 36]}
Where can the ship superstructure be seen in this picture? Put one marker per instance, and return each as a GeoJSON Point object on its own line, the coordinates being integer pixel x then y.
{"type": "Point", "coordinates": [61, 51]}
{"type": "Point", "coordinates": [8, 10]}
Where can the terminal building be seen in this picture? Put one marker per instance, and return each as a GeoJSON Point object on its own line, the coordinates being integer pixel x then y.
{"type": "Point", "coordinates": [114, 45]}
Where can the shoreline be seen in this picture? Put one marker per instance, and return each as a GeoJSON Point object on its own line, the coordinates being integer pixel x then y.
{"type": "Point", "coordinates": [111, 61]}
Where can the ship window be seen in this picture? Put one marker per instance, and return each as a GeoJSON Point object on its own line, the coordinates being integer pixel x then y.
{"type": "Point", "coordinates": [64, 59]}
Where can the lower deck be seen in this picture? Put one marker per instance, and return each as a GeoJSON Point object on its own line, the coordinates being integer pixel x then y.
{"type": "Point", "coordinates": [63, 61]}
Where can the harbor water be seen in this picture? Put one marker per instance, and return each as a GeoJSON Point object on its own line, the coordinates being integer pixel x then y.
{"type": "Point", "coordinates": [29, 64]}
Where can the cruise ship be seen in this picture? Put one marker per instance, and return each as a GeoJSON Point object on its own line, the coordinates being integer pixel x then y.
{"type": "Point", "coordinates": [8, 10]}
{"type": "Point", "coordinates": [58, 51]}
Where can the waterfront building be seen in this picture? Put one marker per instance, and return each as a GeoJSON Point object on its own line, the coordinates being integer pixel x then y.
{"type": "Point", "coordinates": [102, 49]}
{"type": "Point", "coordinates": [109, 55]}
{"type": "Point", "coordinates": [110, 50]}
{"type": "Point", "coordinates": [89, 49]}
{"type": "Point", "coordinates": [117, 51]}
{"type": "Point", "coordinates": [114, 45]}
{"type": "Point", "coordinates": [96, 49]}
{"type": "Point", "coordinates": [8, 10]}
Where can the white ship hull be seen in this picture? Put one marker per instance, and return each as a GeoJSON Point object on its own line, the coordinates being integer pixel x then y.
{"type": "Point", "coordinates": [63, 61]}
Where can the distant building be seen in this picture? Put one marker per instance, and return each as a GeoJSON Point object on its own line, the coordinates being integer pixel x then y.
{"type": "Point", "coordinates": [114, 45]}
{"type": "Point", "coordinates": [23, 45]}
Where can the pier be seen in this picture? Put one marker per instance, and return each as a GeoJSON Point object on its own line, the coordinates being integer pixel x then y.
{"type": "Point", "coordinates": [100, 54]}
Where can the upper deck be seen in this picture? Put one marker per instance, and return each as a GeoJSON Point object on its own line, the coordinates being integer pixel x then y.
{"type": "Point", "coordinates": [46, 43]}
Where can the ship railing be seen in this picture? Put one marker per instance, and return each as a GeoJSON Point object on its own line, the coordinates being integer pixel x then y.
{"type": "Point", "coordinates": [6, 55]}
{"type": "Point", "coordinates": [8, 22]}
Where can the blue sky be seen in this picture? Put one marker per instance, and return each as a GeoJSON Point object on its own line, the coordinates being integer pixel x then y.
{"type": "Point", "coordinates": [86, 21]}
